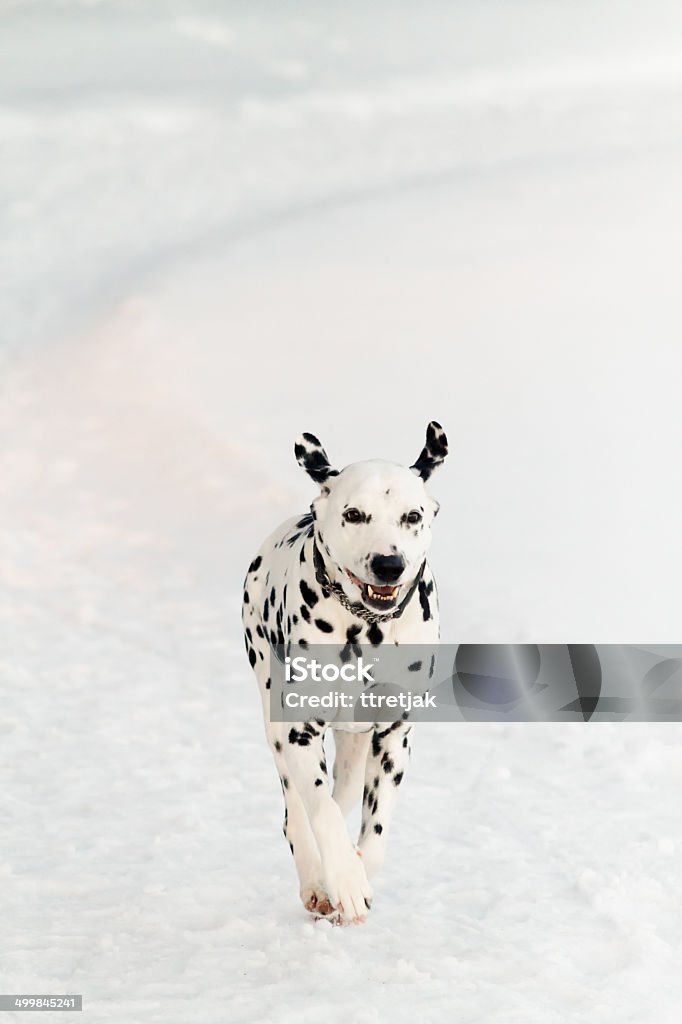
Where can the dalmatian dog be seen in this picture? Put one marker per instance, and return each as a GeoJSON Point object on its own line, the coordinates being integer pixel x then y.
{"type": "Point", "coordinates": [351, 571]}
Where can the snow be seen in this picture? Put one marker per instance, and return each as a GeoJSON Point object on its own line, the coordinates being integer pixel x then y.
{"type": "Point", "coordinates": [223, 225]}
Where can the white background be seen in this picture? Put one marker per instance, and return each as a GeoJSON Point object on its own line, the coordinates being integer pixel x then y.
{"type": "Point", "coordinates": [224, 224]}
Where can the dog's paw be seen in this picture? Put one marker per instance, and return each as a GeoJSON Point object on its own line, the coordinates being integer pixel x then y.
{"type": "Point", "coordinates": [317, 902]}
{"type": "Point", "coordinates": [348, 887]}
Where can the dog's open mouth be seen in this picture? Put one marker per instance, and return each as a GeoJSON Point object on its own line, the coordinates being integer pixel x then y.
{"type": "Point", "coordinates": [376, 596]}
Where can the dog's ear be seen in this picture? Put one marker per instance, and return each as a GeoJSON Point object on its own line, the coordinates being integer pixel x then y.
{"type": "Point", "coordinates": [313, 458]}
{"type": "Point", "coordinates": [433, 453]}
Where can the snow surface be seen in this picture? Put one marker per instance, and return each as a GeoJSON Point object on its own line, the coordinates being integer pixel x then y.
{"type": "Point", "coordinates": [222, 225]}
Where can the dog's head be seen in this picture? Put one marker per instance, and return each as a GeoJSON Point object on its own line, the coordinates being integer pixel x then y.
{"type": "Point", "coordinates": [373, 519]}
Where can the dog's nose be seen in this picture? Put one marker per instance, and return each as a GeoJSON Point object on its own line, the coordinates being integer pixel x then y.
{"type": "Point", "coordinates": [387, 568]}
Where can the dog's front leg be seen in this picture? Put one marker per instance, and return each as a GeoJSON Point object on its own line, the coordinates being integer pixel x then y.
{"type": "Point", "coordinates": [387, 761]}
{"type": "Point", "coordinates": [342, 869]}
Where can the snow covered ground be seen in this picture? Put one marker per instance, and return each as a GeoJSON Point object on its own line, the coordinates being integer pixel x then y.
{"type": "Point", "coordinates": [223, 224]}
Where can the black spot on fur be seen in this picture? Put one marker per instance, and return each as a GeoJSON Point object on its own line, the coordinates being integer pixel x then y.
{"type": "Point", "coordinates": [301, 738]}
{"type": "Point", "coordinates": [374, 635]}
{"type": "Point", "coordinates": [247, 599]}
{"type": "Point", "coordinates": [255, 564]}
{"type": "Point", "coordinates": [376, 744]}
{"type": "Point", "coordinates": [352, 634]}
{"type": "Point", "coordinates": [318, 782]}
{"type": "Point", "coordinates": [308, 594]}
{"type": "Point", "coordinates": [398, 778]}
{"type": "Point", "coordinates": [272, 597]}
{"type": "Point", "coordinates": [252, 657]}
{"type": "Point", "coordinates": [324, 626]}
{"type": "Point", "coordinates": [285, 782]}
{"type": "Point", "coordinates": [414, 667]}
{"type": "Point", "coordinates": [305, 614]}
{"type": "Point", "coordinates": [278, 746]}
{"type": "Point", "coordinates": [378, 828]}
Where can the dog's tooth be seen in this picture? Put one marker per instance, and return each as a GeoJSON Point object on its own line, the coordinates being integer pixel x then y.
{"type": "Point", "coordinates": [370, 590]}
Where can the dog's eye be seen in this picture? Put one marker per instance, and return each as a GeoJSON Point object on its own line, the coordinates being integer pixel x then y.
{"type": "Point", "coordinates": [414, 517]}
{"type": "Point", "coordinates": [353, 515]}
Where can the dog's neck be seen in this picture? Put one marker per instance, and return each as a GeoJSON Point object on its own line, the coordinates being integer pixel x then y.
{"type": "Point", "coordinates": [332, 588]}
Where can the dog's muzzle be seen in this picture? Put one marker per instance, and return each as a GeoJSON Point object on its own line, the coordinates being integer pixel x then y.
{"type": "Point", "coordinates": [381, 603]}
